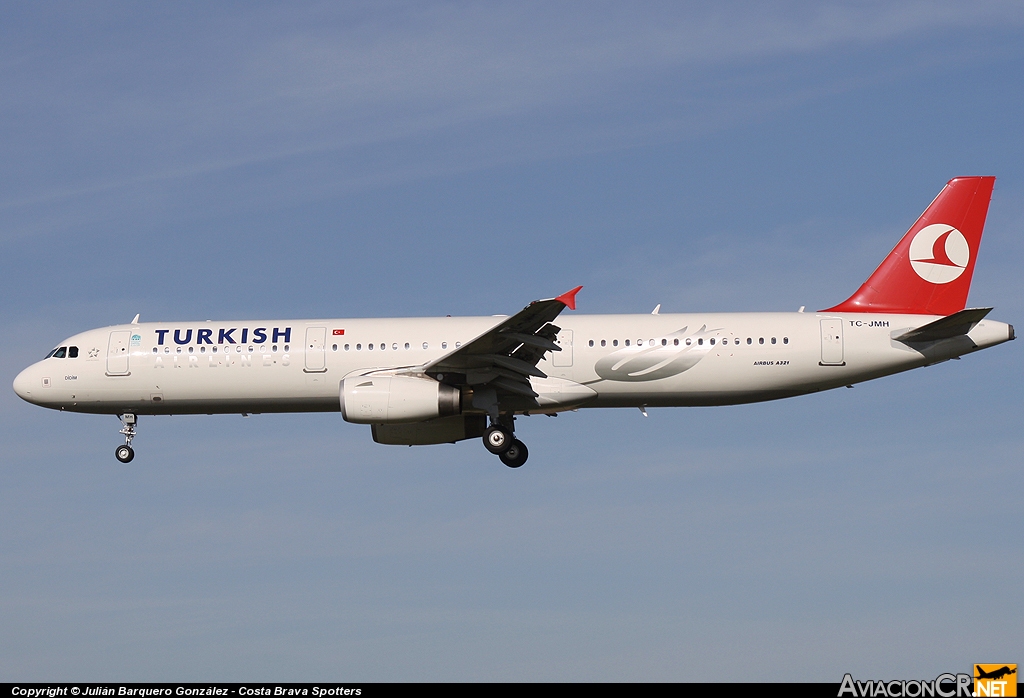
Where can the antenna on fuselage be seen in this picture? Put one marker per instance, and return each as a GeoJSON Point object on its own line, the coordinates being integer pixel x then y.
{"type": "Point", "coordinates": [136, 320]}
{"type": "Point", "coordinates": [656, 309]}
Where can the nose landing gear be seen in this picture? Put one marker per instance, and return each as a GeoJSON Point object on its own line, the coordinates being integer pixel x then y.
{"type": "Point", "coordinates": [126, 453]}
{"type": "Point", "coordinates": [500, 440]}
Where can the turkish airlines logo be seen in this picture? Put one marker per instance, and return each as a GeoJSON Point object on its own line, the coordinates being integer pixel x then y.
{"type": "Point", "coordinates": [939, 253]}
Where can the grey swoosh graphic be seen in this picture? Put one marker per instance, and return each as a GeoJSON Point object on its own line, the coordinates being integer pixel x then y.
{"type": "Point", "coordinates": [638, 364]}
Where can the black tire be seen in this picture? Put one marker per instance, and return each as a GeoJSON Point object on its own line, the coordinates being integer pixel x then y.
{"type": "Point", "coordinates": [497, 440]}
{"type": "Point", "coordinates": [124, 454]}
{"type": "Point", "coordinates": [516, 454]}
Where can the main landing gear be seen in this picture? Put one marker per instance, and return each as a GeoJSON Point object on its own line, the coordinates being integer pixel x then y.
{"type": "Point", "coordinates": [126, 453]}
{"type": "Point", "coordinates": [500, 440]}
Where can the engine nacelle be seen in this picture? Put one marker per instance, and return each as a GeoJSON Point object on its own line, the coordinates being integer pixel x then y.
{"type": "Point", "coordinates": [396, 399]}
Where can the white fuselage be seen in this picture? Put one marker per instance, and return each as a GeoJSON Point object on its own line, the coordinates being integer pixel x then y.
{"type": "Point", "coordinates": [606, 360]}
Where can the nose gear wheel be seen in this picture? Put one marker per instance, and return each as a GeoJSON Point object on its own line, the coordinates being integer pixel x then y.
{"type": "Point", "coordinates": [126, 453]}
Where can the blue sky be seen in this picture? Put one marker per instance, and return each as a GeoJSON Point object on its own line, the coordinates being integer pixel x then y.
{"type": "Point", "coordinates": [312, 160]}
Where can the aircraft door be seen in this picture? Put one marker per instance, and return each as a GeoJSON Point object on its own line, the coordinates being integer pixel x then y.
{"type": "Point", "coordinates": [563, 358]}
{"type": "Point", "coordinates": [832, 342]}
{"type": "Point", "coordinates": [117, 353]}
{"type": "Point", "coordinates": [316, 340]}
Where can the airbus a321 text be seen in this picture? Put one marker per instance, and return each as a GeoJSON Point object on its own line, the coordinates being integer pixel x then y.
{"type": "Point", "coordinates": [440, 380]}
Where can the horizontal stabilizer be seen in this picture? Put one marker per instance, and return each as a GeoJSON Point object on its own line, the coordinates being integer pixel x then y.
{"type": "Point", "coordinates": [945, 328]}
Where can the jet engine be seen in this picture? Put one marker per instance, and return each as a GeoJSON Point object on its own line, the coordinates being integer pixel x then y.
{"type": "Point", "coordinates": [396, 399]}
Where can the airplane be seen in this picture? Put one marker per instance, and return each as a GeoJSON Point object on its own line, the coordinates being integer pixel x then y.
{"type": "Point", "coordinates": [995, 674]}
{"type": "Point", "coordinates": [419, 381]}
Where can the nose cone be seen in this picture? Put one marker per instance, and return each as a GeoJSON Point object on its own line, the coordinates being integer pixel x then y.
{"type": "Point", "coordinates": [24, 385]}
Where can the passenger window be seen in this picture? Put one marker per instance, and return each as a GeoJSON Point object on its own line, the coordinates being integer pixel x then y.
{"type": "Point", "coordinates": [382, 347]}
{"type": "Point", "coordinates": [700, 341]}
{"type": "Point", "coordinates": [749, 340]}
{"type": "Point", "coordinates": [444, 345]}
{"type": "Point", "coordinates": [425, 345]}
{"type": "Point", "coordinates": [688, 341]}
{"type": "Point", "coordinates": [359, 347]}
{"type": "Point", "coordinates": [369, 347]}
{"type": "Point", "coordinates": [154, 350]}
{"type": "Point", "coordinates": [286, 347]}
{"type": "Point", "coordinates": [773, 340]}
{"type": "Point", "coordinates": [395, 346]}
{"type": "Point", "coordinates": [602, 343]}
{"type": "Point", "coordinates": [615, 342]}
{"type": "Point", "coordinates": [214, 350]}
{"type": "Point", "coordinates": [712, 341]}
{"type": "Point", "coordinates": [627, 342]}
{"type": "Point", "coordinates": [664, 342]}
{"type": "Point", "coordinates": [785, 340]}
{"type": "Point", "coordinates": [202, 349]}
{"type": "Point", "coordinates": [72, 352]}
{"type": "Point", "coordinates": [347, 347]}
{"type": "Point", "coordinates": [458, 344]}
{"type": "Point", "coordinates": [273, 349]}
{"type": "Point", "coordinates": [334, 347]}
{"type": "Point", "coordinates": [675, 342]}
{"type": "Point", "coordinates": [760, 340]}
{"type": "Point", "coordinates": [406, 345]}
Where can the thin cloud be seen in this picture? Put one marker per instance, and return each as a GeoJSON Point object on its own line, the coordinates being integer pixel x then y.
{"type": "Point", "coordinates": [508, 84]}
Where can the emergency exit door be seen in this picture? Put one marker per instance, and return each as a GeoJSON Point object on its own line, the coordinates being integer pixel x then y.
{"type": "Point", "coordinates": [564, 357]}
{"type": "Point", "coordinates": [316, 359]}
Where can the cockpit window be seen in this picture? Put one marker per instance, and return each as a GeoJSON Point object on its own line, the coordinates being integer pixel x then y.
{"type": "Point", "coordinates": [60, 353]}
{"type": "Point", "coordinates": [52, 352]}
{"type": "Point", "coordinates": [72, 352]}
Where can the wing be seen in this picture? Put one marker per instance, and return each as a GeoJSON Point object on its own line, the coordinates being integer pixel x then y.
{"type": "Point", "coordinates": [505, 356]}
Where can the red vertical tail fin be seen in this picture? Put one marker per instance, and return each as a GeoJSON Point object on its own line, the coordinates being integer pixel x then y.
{"type": "Point", "coordinates": [929, 272]}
